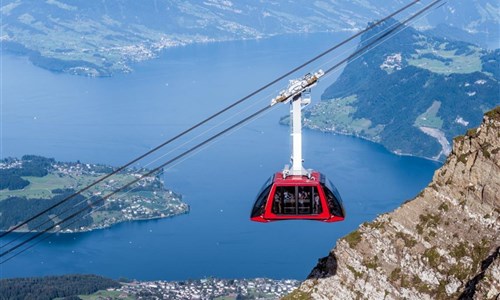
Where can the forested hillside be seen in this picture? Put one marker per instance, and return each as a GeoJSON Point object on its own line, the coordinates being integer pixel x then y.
{"type": "Point", "coordinates": [30, 165]}
{"type": "Point", "coordinates": [412, 85]}
{"type": "Point", "coordinates": [51, 287]}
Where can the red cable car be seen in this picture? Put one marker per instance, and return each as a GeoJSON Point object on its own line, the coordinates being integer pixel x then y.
{"type": "Point", "coordinates": [296, 193]}
{"type": "Point", "coordinates": [298, 198]}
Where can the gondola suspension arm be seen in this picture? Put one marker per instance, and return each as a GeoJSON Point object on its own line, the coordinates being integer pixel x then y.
{"type": "Point", "coordinates": [298, 94]}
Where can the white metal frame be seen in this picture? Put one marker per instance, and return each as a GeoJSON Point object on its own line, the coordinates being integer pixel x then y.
{"type": "Point", "coordinates": [299, 96]}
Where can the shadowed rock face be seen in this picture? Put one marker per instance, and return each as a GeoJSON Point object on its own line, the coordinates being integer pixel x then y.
{"type": "Point", "coordinates": [444, 244]}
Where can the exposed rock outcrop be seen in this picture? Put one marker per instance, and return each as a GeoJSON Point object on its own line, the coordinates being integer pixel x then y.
{"type": "Point", "coordinates": [444, 244]}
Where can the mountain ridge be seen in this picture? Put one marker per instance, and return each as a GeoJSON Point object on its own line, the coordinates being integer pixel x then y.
{"type": "Point", "coordinates": [106, 37]}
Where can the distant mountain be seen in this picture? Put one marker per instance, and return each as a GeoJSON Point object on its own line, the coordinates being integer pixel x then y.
{"type": "Point", "coordinates": [99, 38]}
{"type": "Point", "coordinates": [444, 244]}
{"type": "Point", "coordinates": [478, 18]}
{"type": "Point", "coordinates": [412, 85]}
{"type": "Point", "coordinates": [451, 33]}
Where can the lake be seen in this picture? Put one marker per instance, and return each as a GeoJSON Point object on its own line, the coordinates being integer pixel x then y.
{"type": "Point", "coordinates": [113, 120]}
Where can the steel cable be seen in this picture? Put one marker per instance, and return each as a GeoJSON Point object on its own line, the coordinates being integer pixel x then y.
{"type": "Point", "coordinates": [198, 146]}
{"type": "Point", "coordinates": [10, 230]}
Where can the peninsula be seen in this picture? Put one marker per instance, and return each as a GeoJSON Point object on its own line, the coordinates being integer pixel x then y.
{"type": "Point", "coordinates": [33, 183]}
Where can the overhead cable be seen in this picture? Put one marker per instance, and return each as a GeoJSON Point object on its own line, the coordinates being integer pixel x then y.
{"type": "Point", "coordinates": [198, 146]}
{"type": "Point", "coordinates": [14, 228]}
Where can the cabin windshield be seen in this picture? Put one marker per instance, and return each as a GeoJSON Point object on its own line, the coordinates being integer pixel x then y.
{"type": "Point", "coordinates": [260, 203]}
{"type": "Point", "coordinates": [332, 197]}
{"type": "Point", "coordinates": [296, 200]}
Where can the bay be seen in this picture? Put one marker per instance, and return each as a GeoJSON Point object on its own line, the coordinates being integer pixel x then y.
{"type": "Point", "coordinates": [113, 120]}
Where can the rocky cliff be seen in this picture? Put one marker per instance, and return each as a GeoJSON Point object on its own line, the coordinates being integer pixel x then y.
{"type": "Point", "coordinates": [444, 244]}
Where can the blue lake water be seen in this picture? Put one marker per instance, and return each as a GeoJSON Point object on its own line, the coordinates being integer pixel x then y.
{"type": "Point", "coordinates": [113, 120]}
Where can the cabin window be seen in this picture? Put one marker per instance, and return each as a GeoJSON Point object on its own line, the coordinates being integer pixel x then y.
{"type": "Point", "coordinates": [296, 200]}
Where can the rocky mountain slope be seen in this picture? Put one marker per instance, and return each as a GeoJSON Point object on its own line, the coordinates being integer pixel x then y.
{"type": "Point", "coordinates": [414, 84]}
{"type": "Point", "coordinates": [99, 38]}
{"type": "Point", "coordinates": [444, 244]}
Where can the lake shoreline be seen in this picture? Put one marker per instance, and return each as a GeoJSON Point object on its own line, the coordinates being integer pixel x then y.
{"type": "Point", "coordinates": [335, 132]}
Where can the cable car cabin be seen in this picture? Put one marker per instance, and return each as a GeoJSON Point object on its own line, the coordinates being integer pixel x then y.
{"type": "Point", "coordinates": [298, 198]}
{"type": "Point", "coordinates": [295, 193]}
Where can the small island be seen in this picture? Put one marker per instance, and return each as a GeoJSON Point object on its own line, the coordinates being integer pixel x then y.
{"type": "Point", "coordinates": [33, 183]}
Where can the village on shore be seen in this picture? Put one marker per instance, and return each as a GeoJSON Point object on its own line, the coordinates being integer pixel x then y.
{"type": "Point", "coordinates": [210, 288]}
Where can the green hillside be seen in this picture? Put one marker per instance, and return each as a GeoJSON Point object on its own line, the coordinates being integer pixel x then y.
{"type": "Point", "coordinates": [412, 94]}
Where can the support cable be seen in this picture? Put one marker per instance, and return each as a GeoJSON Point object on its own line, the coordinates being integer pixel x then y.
{"type": "Point", "coordinates": [384, 35]}
{"type": "Point", "coordinates": [133, 181]}
{"type": "Point", "coordinates": [59, 215]}
{"type": "Point", "coordinates": [39, 226]}
{"type": "Point", "coordinates": [12, 229]}
{"type": "Point", "coordinates": [354, 55]}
